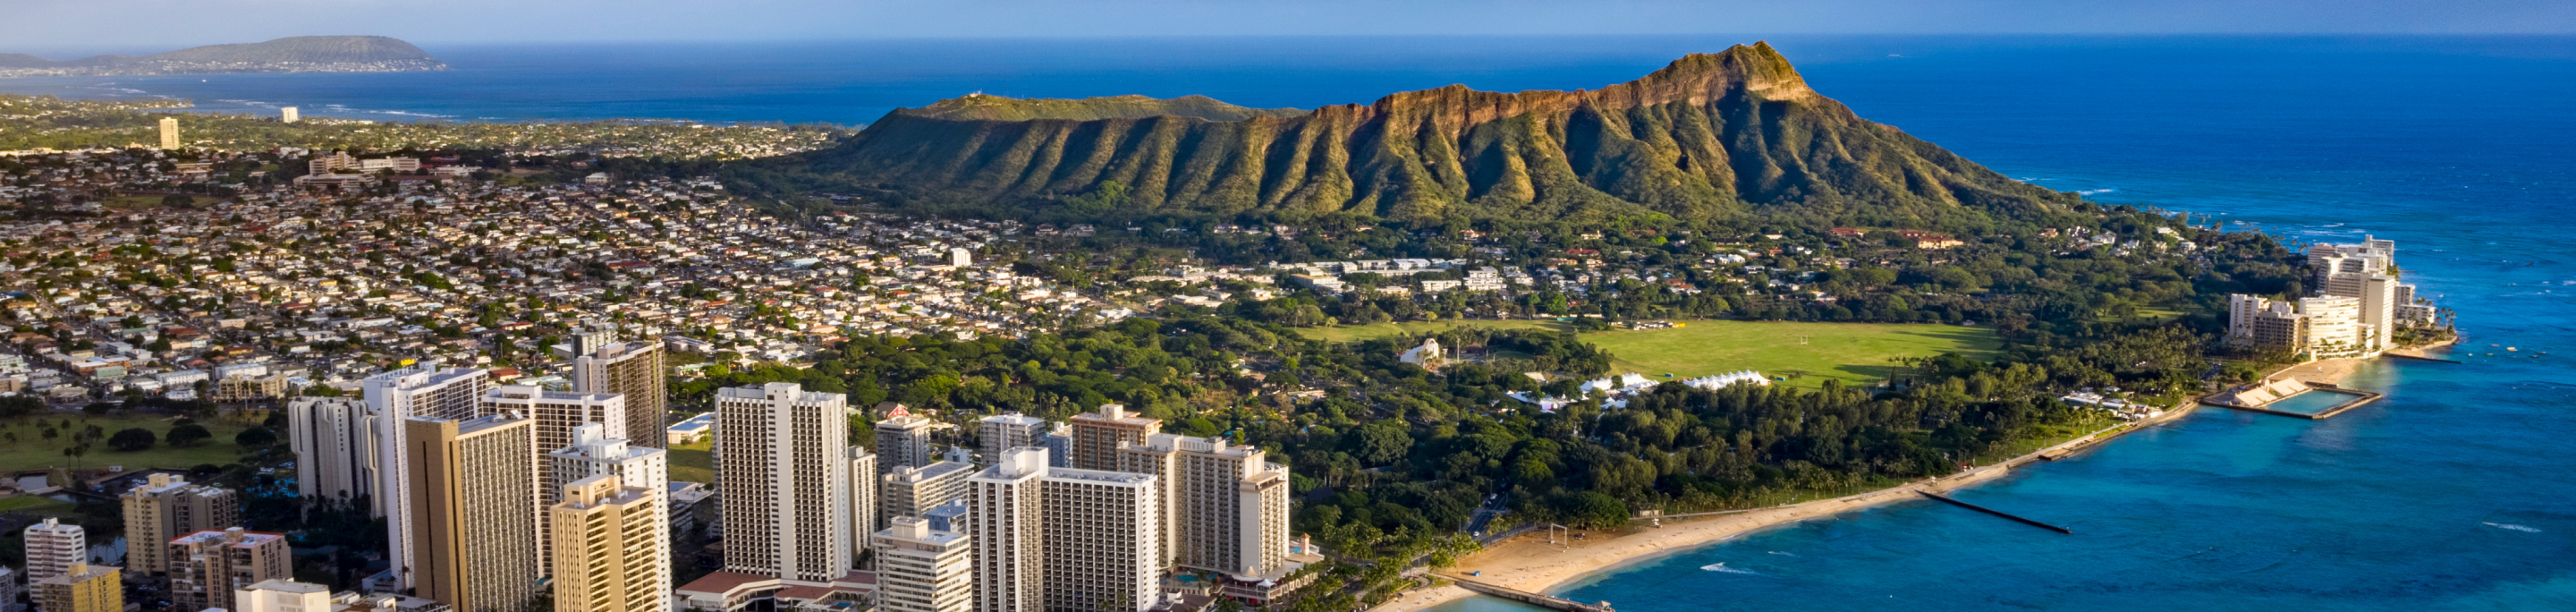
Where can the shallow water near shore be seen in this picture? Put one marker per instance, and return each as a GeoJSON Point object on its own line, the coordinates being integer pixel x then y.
{"type": "Point", "coordinates": [2453, 493]}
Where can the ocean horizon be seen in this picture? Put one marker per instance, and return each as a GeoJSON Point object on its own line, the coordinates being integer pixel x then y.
{"type": "Point", "coordinates": [2450, 494]}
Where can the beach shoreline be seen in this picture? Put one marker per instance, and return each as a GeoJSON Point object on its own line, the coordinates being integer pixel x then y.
{"type": "Point", "coordinates": [1528, 562]}
{"type": "Point", "coordinates": [2334, 371]}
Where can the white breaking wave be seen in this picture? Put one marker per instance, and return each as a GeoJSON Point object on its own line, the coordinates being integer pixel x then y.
{"type": "Point", "coordinates": [2504, 526]}
{"type": "Point", "coordinates": [1784, 553]}
{"type": "Point", "coordinates": [1721, 567]}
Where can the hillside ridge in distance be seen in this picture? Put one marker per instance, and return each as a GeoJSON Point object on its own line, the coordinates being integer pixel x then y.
{"type": "Point", "coordinates": [293, 54]}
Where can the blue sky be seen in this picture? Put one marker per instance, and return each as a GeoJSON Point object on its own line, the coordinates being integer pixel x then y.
{"type": "Point", "coordinates": [56, 26]}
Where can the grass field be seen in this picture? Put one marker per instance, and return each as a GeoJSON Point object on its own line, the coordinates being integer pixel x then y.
{"type": "Point", "coordinates": [694, 462]}
{"type": "Point", "coordinates": [33, 451]}
{"type": "Point", "coordinates": [1809, 353]}
{"type": "Point", "coordinates": [35, 504]}
{"type": "Point", "coordinates": [1356, 333]}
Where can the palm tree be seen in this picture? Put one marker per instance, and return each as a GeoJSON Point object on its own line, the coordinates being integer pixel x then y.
{"type": "Point", "coordinates": [76, 452]}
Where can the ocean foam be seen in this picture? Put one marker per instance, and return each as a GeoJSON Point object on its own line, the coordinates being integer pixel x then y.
{"type": "Point", "coordinates": [2504, 526]}
{"type": "Point", "coordinates": [1721, 567]}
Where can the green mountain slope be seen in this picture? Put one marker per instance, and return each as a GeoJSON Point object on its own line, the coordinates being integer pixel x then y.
{"type": "Point", "coordinates": [1709, 135]}
{"type": "Point", "coordinates": [307, 49]}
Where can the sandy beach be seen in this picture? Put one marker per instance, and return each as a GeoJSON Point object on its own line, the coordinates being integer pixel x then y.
{"type": "Point", "coordinates": [2330, 371]}
{"type": "Point", "coordinates": [2333, 371]}
{"type": "Point", "coordinates": [1529, 562]}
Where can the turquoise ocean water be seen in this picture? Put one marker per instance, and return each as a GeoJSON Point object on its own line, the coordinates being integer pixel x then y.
{"type": "Point", "coordinates": [2457, 492]}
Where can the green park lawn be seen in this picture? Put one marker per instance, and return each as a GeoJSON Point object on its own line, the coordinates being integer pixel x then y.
{"type": "Point", "coordinates": [33, 451]}
{"type": "Point", "coordinates": [1807, 353]}
{"type": "Point", "coordinates": [694, 462]}
{"type": "Point", "coordinates": [1356, 333]}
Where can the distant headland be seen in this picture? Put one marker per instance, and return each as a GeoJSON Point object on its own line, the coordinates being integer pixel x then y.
{"type": "Point", "coordinates": [293, 54]}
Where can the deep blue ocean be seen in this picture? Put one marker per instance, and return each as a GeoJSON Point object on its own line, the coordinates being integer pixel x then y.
{"type": "Point", "coordinates": [2458, 492]}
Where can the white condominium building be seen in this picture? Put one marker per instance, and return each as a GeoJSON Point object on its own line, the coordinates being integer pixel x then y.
{"type": "Point", "coordinates": [1008, 431]}
{"type": "Point", "coordinates": [908, 491]}
{"type": "Point", "coordinates": [52, 548]}
{"type": "Point", "coordinates": [276, 595]}
{"type": "Point", "coordinates": [920, 569]}
{"type": "Point", "coordinates": [862, 515]}
{"type": "Point", "coordinates": [1005, 513]}
{"type": "Point", "coordinates": [1065, 539]}
{"type": "Point", "coordinates": [903, 441]}
{"type": "Point", "coordinates": [612, 547]}
{"type": "Point", "coordinates": [393, 397]}
{"type": "Point", "coordinates": [783, 454]}
{"type": "Point", "coordinates": [335, 450]}
{"type": "Point", "coordinates": [1102, 535]}
{"type": "Point", "coordinates": [557, 414]}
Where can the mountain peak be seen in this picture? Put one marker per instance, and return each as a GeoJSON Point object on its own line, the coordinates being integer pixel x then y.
{"type": "Point", "coordinates": [1708, 135]}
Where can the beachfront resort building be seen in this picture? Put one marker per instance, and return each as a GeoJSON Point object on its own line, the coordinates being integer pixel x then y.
{"type": "Point", "coordinates": [2354, 310]}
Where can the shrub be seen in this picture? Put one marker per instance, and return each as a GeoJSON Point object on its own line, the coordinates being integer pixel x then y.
{"type": "Point", "coordinates": [191, 434]}
{"type": "Point", "coordinates": [131, 440]}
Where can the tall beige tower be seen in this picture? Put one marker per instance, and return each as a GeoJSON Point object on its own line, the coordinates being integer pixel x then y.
{"type": "Point", "coordinates": [920, 569]}
{"type": "Point", "coordinates": [1096, 435]}
{"type": "Point", "coordinates": [474, 497]}
{"type": "Point", "coordinates": [52, 548]}
{"type": "Point", "coordinates": [169, 133]}
{"type": "Point", "coordinates": [207, 567]}
{"type": "Point", "coordinates": [632, 369]}
{"type": "Point", "coordinates": [165, 507]}
{"type": "Point", "coordinates": [593, 453]}
{"type": "Point", "coordinates": [782, 454]}
{"type": "Point", "coordinates": [1226, 506]}
{"type": "Point", "coordinates": [289, 114]}
{"type": "Point", "coordinates": [612, 552]}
